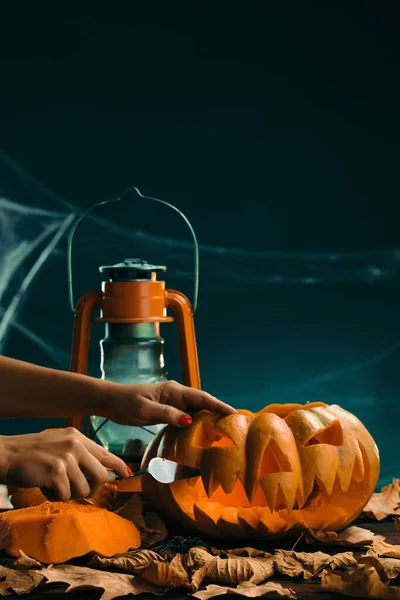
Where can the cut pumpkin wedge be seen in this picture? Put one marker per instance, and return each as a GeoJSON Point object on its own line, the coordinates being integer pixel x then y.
{"type": "Point", "coordinates": [56, 532]}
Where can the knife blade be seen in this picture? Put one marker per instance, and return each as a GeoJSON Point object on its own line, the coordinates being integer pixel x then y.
{"type": "Point", "coordinates": [162, 470]}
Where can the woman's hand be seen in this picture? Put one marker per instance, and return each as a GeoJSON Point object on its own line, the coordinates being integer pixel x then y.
{"type": "Point", "coordinates": [30, 391]}
{"type": "Point", "coordinates": [152, 404]}
{"type": "Point", "coordinates": [63, 463]}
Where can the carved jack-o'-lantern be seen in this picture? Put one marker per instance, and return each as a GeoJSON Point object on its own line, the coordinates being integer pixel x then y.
{"type": "Point", "coordinates": [279, 470]}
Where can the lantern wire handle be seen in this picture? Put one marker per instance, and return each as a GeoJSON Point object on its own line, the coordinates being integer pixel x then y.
{"type": "Point", "coordinates": [125, 193]}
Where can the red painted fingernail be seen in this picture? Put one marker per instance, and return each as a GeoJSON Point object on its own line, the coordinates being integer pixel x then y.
{"type": "Point", "coordinates": [129, 470]}
{"type": "Point", "coordinates": [185, 420]}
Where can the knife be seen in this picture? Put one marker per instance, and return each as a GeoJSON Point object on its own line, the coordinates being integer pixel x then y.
{"type": "Point", "coordinates": [162, 470]}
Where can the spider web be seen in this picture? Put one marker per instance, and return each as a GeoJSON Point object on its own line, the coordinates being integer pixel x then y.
{"type": "Point", "coordinates": [34, 223]}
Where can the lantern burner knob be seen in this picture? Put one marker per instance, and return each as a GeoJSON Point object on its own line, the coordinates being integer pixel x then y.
{"type": "Point", "coordinates": [131, 269]}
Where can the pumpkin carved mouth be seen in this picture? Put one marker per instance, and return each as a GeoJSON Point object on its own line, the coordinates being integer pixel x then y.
{"type": "Point", "coordinates": [267, 473]}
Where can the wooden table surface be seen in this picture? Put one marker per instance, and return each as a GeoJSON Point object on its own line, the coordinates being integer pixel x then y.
{"type": "Point", "coordinates": [305, 590]}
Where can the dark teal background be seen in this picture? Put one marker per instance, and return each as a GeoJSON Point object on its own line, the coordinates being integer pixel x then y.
{"type": "Point", "coordinates": [275, 128]}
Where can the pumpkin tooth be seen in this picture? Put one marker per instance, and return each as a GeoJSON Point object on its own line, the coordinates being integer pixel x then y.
{"type": "Point", "coordinates": [344, 476]}
{"type": "Point", "coordinates": [284, 482]}
{"type": "Point", "coordinates": [229, 523]}
{"type": "Point", "coordinates": [227, 480]}
{"type": "Point", "coordinates": [308, 486]}
{"type": "Point", "coordinates": [270, 523]}
{"type": "Point", "coordinates": [227, 463]}
{"type": "Point", "coordinates": [288, 485]}
{"type": "Point", "coordinates": [324, 480]}
{"type": "Point", "coordinates": [321, 465]}
{"type": "Point", "coordinates": [213, 510]}
{"type": "Point", "coordinates": [359, 468]}
{"type": "Point", "coordinates": [249, 518]}
{"type": "Point", "coordinates": [270, 485]}
{"type": "Point", "coordinates": [347, 466]}
{"type": "Point", "coordinates": [327, 479]}
{"type": "Point", "coordinates": [300, 494]}
{"type": "Point", "coordinates": [210, 482]}
{"type": "Point", "coordinates": [258, 498]}
{"type": "Point", "coordinates": [327, 482]}
{"type": "Point", "coordinates": [206, 514]}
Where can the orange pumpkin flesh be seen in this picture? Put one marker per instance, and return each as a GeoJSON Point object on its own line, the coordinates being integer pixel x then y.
{"type": "Point", "coordinates": [25, 497]}
{"type": "Point", "coordinates": [268, 473]}
{"type": "Point", "coordinates": [56, 532]}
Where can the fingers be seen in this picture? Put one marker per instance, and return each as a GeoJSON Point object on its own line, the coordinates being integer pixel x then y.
{"type": "Point", "coordinates": [202, 400]}
{"type": "Point", "coordinates": [60, 463]}
{"type": "Point", "coordinates": [108, 460]}
{"type": "Point", "coordinates": [79, 481]}
{"type": "Point", "coordinates": [172, 402]}
{"type": "Point", "coordinates": [88, 477]}
{"type": "Point", "coordinates": [58, 487]}
{"type": "Point", "coordinates": [155, 413]}
{"type": "Point", "coordinates": [198, 399]}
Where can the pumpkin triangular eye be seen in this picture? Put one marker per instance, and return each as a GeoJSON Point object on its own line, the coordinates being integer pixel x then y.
{"type": "Point", "coordinates": [332, 436]}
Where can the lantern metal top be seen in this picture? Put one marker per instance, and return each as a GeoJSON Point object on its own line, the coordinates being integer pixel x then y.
{"type": "Point", "coordinates": [131, 269]}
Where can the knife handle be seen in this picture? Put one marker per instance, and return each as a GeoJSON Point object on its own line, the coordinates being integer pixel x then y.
{"type": "Point", "coordinates": [112, 475]}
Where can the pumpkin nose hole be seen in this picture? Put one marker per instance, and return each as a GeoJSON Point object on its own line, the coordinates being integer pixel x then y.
{"type": "Point", "coordinates": [332, 436]}
{"type": "Point", "coordinates": [273, 461]}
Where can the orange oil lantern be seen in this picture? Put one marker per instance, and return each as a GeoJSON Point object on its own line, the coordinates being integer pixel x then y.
{"type": "Point", "coordinates": [133, 303]}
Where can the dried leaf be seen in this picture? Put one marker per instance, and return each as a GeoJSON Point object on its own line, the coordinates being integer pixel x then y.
{"type": "Point", "coordinates": [251, 552]}
{"type": "Point", "coordinates": [113, 584]}
{"type": "Point", "coordinates": [197, 578]}
{"type": "Point", "coordinates": [133, 562]}
{"type": "Point", "coordinates": [310, 564]}
{"type": "Point", "coordinates": [151, 527]}
{"type": "Point", "coordinates": [362, 583]}
{"type": "Point", "coordinates": [133, 510]}
{"type": "Point", "coordinates": [26, 562]}
{"type": "Point", "coordinates": [156, 530]}
{"type": "Point", "coordinates": [198, 557]}
{"type": "Point", "coordinates": [195, 562]}
{"type": "Point", "coordinates": [18, 581]}
{"type": "Point", "coordinates": [233, 571]}
{"type": "Point", "coordinates": [352, 536]}
{"type": "Point", "coordinates": [249, 590]}
{"type": "Point", "coordinates": [385, 549]}
{"type": "Point", "coordinates": [388, 568]}
{"type": "Point", "coordinates": [166, 574]}
{"type": "Point", "coordinates": [384, 504]}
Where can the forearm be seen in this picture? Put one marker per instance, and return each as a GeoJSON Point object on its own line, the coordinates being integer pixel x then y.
{"type": "Point", "coordinates": [30, 391]}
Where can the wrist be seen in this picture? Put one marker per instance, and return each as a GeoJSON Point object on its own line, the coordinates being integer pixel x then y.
{"type": "Point", "coordinates": [106, 395]}
{"type": "Point", "coordinates": [98, 397]}
{"type": "Point", "coordinates": [114, 397]}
